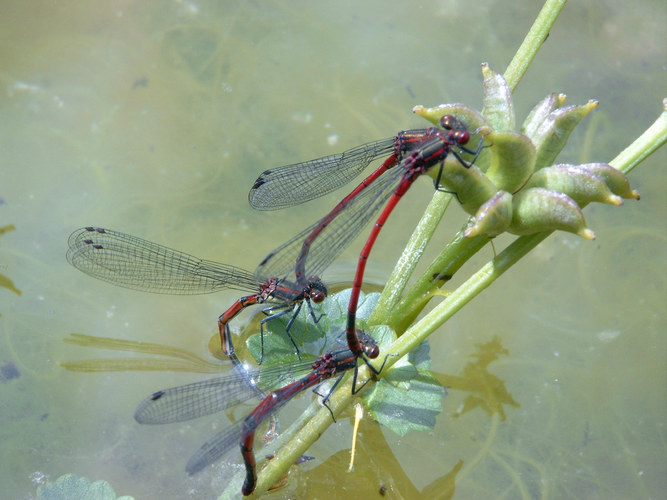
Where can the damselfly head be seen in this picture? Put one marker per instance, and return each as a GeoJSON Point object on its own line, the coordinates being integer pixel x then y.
{"type": "Point", "coordinates": [371, 349]}
{"type": "Point", "coordinates": [317, 292]}
{"type": "Point", "coordinates": [457, 131]}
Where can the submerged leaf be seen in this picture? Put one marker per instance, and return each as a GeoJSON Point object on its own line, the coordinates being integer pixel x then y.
{"type": "Point", "coordinates": [5, 282]}
{"type": "Point", "coordinates": [486, 391]}
{"type": "Point", "coordinates": [70, 487]}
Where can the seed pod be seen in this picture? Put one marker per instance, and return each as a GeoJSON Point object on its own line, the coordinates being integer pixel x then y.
{"type": "Point", "coordinates": [539, 209]}
{"type": "Point", "coordinates": [471, 187]}
{"type": "Point", "coordinates": [540, 112]}
{"type": "Point", "coordinates": [498, 109]}
{"type": "Point", "coordinates": [579, 184]}
{"type": "Point", "coordinates": [551, 136]}
{"type": "Point", "coordinates": [493, 217]}
{"type": "Point", "coordinates": [615, 180]}
{"type": "Point", "coordinates": [512, 159]}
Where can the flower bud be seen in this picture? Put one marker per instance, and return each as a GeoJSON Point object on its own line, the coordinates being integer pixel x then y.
{"type": "Point", "coordinates": [493, 217]}
{"type": "Point", "coordinates": [540, 112]}
{"type": "Point", "coordinates": [471, 187]}
{"type": "Point", "coordinates": [498, 109]}
{"type": "Point", "coordinates": [579, 184]}
{"type": "Point", "coordinates": [551, 136]}
{"type": "Point", "coordinates": [615, 180]}
{"type": "Point", "coordinates": [538, 209]}
{"type": "Point", "coordinates": [512, 159]}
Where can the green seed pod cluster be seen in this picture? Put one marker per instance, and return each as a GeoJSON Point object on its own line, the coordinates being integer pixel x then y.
{"type": "Point", "coordinates": [513, 185]}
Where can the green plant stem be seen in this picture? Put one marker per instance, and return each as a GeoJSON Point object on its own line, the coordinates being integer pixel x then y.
{"type": "Point", "coordinates": [653, 138]}
{"type": "Point", "coordinates": [342, 398]}
{"type": "Point", "coordinates": [532, 42]}
{"type": "Point", "coordinates": [457, 253]}
{"type": "Point", "coordinates": [409, 259]}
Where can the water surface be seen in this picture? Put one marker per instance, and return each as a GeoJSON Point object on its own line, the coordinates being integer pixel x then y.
{"type": "Point", "coordinates": [153, 118]}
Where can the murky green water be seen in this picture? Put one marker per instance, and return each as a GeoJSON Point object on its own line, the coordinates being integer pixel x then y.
{"type": "Point", "coordinates": [153, 118]}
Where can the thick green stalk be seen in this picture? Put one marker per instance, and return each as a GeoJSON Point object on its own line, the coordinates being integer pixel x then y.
{"type": "Point", "coordinates": [538, 33]}
{"type": "Point", "coordinates": [456, 253]}
{"type": "Point", "coordinates": [410, 257]}
{"type": "Point", "coordinates": [653, 138]}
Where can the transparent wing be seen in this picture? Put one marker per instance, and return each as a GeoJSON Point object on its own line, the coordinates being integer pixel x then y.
{"type": "Point", "coordinates": [335, 237]}
{"type": "Point", "coordinates": [300, 182]}
{"type": "Point", "coordinates": [139, 264]}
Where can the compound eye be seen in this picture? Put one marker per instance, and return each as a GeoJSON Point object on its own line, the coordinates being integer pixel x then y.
{"type": "Point", "coordinates": [448, 122]}
{"type": "Point", "coordinates": [462, 137]}
{"type": "Point", "coordinates": [317, 296]}
{"type": "Point", "coordinates": [373, 352]}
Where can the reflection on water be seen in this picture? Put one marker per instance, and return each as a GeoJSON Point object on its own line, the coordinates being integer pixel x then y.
{"type": "Point", "coordinates": [487, 391]}
{"type": "Point", "coordinates": [5, 282]}
{"type": "Point", "coordinates": [155, 118]}
{"type": "Point", "coordinates": [173, 359]}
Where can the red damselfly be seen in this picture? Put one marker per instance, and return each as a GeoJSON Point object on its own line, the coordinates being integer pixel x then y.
{"type": "Point", "coordinates": [422, 150]}
{"type": "Point", "coordinates": [139, 264]}
{"type": "Point", "coordinates": [209, 396]}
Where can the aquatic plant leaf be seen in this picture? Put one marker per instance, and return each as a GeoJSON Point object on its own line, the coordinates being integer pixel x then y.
{"type": "Point", "coordinates": [5, 282]}
{"type": "Point", "coordinates": [181, 359]}
{"type": "Point", "coordinates": [71, 487]}
{"type": "Point", "coordinates": [313, 339]}
{"type": "Point", "coordinates": [405, 407]}
{"type": "Point", "coordinates": [406, 398]}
